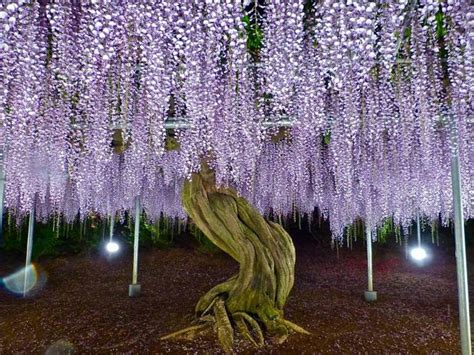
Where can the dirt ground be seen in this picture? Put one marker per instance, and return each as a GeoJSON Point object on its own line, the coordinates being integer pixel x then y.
{"type": "Point", "coordinates": [83, 303]}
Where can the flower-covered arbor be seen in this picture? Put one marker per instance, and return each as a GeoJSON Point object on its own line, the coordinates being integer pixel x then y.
{"type": "Point", "coordinates": [378, 95]}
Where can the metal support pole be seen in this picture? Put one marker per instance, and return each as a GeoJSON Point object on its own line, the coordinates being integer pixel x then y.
{"type": "Point", "coordinates": [135, 288]}
{"type": "Point", "coordinates": [29, 248]}
{"type": "Point", "coordinates": [461, 265]}
{"type": "Point", "coordinates": [370, 295]}
{"type": "Point", "coordinates": [418, 229]}
{"type": "Point", "coordinates": [112, 223]}
{"type": "Point", "coordinates": [370, 283]}
{"type": "Point", "coordinates": [136, 240]}
{"type": "Point", "coordinates": [2, 191]}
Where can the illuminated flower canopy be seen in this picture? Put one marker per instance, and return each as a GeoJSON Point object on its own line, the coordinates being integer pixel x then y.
{"type": "Point", "coordinates": [378, 94]}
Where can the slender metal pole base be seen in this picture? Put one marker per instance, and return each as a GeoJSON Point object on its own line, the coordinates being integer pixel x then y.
{"type": "Point", "coordinates": [461, 265]}
{"type": "Point", "coordinates": [134, 290]}
{"type": "Point", "coordinates": [370, 295]}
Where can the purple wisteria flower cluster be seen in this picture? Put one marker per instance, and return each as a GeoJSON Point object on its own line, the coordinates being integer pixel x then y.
{"type": "Point", "coordinates": [378, 95]}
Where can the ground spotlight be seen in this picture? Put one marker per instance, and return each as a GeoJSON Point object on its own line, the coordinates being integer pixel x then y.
{"type": "Point", "coordinates": [112, 247]}
{"type": "Point", "coordinates": [418, 253]}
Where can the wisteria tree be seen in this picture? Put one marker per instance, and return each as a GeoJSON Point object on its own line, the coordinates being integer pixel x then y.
{"type": "Point", "coordinates": [254, 298]}
{"type": "Point", "coordinates": [181, 103]}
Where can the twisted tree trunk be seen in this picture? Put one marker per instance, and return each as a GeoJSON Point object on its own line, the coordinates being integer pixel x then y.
{"type": "Point", "coordinates": [251, 301]}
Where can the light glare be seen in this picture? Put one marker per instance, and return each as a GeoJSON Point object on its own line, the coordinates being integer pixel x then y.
{"type": "Point", "coordinates": [21, 281]}
{"type": "Point", "coordinates": [112, 247]}
{"type": "Point", "coordinates": [418, 253]}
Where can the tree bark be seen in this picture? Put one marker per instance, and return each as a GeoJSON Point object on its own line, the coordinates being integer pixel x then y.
{"type": "Point", "coordinates": [252, 300]}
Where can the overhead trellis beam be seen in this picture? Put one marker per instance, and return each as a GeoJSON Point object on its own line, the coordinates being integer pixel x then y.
{"type": "Point", "coordinates": [183, 123]}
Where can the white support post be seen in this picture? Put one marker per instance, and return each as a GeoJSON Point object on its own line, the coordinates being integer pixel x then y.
{"type": "Point", "coordinates": [112, 223]}
{"type": "Point", "coordinates": [135, 288]}
{"type": "Point", "coordinates": [418, 229]}
{"type": "Point", "coordinates": [461, 264]}
{"type": "Point", "coordinates": [2, 191]}
{"type": "Point", "coordinates": [370, 295]}
{"type": "Point", "coordinates": [29, 248]}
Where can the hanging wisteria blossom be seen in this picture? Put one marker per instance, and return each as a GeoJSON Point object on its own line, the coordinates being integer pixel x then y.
{"type": "Point", "coordinates": [378, 95]}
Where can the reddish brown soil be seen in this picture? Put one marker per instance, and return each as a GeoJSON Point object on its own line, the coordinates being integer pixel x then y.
{"type": "Point", "coordinates": [84, 302]}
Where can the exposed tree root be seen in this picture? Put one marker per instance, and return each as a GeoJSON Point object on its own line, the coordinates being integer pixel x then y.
{"type": "Point", "coordinates": [188, 333]}
{"type": "Point", "coordinates": [252, 301]}
{"type": "Point", "coordinates": [226, 325]}
{"type": "Point", "coordinates": [296, 328]}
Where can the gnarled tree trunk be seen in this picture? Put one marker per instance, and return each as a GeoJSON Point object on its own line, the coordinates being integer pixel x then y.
{"type": "Point", "coordinates": [251, 301]}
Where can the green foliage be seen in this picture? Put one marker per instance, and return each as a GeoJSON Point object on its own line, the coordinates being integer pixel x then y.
{"type": "Point", "coordinates": [52, 239]}
{"type": "Point", "coordinates": [46, 244]}
{"type": "Point", "coordinates": [159, 234]}
{"type": "Point", "coordinates": [164, 232]}
{"type": "Point", "coordinates": [171, 142]}
{"type": "Point", "coordinates": [254, 35]}
{"type": "Point", "coordinates": [205, 246]}
{"type": "Point", "coordinates": [355, 230]}
{"type": "Point", "coordinates": [441, 31]}
{"type": "Point", "coordinates": [327, 138]}
{"type": "Point", "coordinates": [49, 240]}
{"type": "Point", "coordinates": [386, 230]}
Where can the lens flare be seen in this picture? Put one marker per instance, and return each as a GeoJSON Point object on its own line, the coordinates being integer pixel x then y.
{"type": "Point", "coordinates": [112, 247]}
{"type": "Point", "coordinates": [418, 254]}
{"type": "Point", "coordinates": [22, 281]}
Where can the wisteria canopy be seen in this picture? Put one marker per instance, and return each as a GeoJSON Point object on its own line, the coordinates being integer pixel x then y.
{"type": "Point", "coordinates": [378, 95]}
